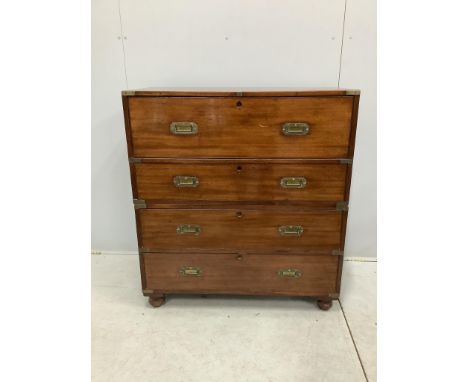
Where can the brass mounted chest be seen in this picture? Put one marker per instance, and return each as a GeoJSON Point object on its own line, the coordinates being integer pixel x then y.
{"type": "Point", "coordinates": [241, 192]}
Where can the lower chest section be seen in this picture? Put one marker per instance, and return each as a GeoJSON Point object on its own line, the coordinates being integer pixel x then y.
{"type": "Point", "coordinates": [242, 250]}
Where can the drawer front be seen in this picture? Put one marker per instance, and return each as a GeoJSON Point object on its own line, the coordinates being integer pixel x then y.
{"type": "Point", "coordinates": [319, 127]}
{"type": "Point", "coordinates": [234, 181]}
{"type": "Point", "coordinates": [231, 230]}
{"type": "Point", "coordinates": [241, 274]}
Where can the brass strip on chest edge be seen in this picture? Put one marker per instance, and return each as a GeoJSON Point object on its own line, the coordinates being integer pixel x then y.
{"type": "Point", "coordinates": [342, 206]}
{"type": "Point", "coordinates": [139, 203]}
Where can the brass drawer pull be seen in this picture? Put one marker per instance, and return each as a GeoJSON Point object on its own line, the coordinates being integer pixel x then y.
{"type": "Point", "coordinates": [190, 271]}
{"type": "Point", "coordinates": [186, 181]}
{"type": "Point", "coordinates": [290, 273]}
{"type": "Point", "coordinates": [293, 182]}
{"type": "Point", "coordinates": [184, 128]}
{"type": "Point", "coordinates": [188, 229]}
{"type": "Point", "coordinates": [296, 128]}
{"type": "Point", "coordinates": [290, 230]}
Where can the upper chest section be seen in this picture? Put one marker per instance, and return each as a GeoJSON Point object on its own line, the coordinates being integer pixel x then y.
{"type": "Point", "coordinates": [207, 126]}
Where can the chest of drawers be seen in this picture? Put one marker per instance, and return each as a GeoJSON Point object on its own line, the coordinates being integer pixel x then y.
{"type": "Point", "coordinates": [241, 191]}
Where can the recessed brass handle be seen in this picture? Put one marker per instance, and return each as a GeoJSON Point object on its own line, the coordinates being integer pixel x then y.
{"type": "Point", "coordinates": [190, 271]}
{"type": "Point", "coordinates": [290, 230]}
{"type": "Point", "coordinates": [296, 128]}
{"type": "Point", "coordinates": [186, 181]}
{"type": "Point", "coordinates": [184, 128]}
{"type": "Point", "coordinates": [290, 273]}
{"type": "Point", "coordinates": [188, 229]}
{"type": "Point", "coordinates": [293, 182]}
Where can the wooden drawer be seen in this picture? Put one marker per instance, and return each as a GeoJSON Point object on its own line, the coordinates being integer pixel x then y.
{"type": "Point", "coordinates": [239, 230]}
{"type": "Point", "coordinates": [240, 127]}
{"type": "Point", "coordinates": [241, 274]}
{"type": "Point", "coordinates": [240, 181]}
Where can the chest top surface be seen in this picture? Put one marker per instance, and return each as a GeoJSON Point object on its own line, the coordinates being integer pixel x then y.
{"type": "Point", "coordinates": [239, 92]}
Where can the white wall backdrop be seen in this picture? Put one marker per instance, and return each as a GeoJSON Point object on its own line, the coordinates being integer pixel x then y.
{"type": "Point", "coordinates": [226, 43]}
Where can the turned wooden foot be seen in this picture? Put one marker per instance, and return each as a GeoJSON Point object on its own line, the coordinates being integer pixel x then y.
{"type": "Point", "coordinates": [157, 300]}
{"type": "Point", "coordinates": [324, 304]}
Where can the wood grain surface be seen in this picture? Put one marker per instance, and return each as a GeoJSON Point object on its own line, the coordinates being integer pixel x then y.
{"type": "Point", "coordinates": [238, 230]}
{"type": "Point", "coordinates": [239, 156]}
{"type": "Point", "coordinates": [240, 127]}
{"type": "Point", "coordinates": [245, 274]}
{"type": "Point", "coordinates": [237, 181]}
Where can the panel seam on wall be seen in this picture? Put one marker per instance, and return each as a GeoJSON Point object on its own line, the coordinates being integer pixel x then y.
{"type": "Point", "coordinates": [123, 47]}
{"type": "Point", "coordinates": [342, 41]}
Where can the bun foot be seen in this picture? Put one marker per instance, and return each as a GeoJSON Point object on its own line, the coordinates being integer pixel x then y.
{"type": "Point", "coordinates": [156, 301]}
{"type": "Point", "coordinates": [324, 304]}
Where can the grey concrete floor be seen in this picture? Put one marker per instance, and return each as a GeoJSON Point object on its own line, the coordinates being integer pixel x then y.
{"type": "Point", "coordinates": [230, 338]}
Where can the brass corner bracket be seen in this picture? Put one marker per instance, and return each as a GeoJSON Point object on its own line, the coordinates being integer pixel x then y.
{"type": "Point", "coordinates": [139, 203]}
{"type": "Point", "coordinates": [342, 206]}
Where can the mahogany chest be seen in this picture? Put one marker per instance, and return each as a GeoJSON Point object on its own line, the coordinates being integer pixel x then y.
{"type": "Point", "coordinates": [241, 191]}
